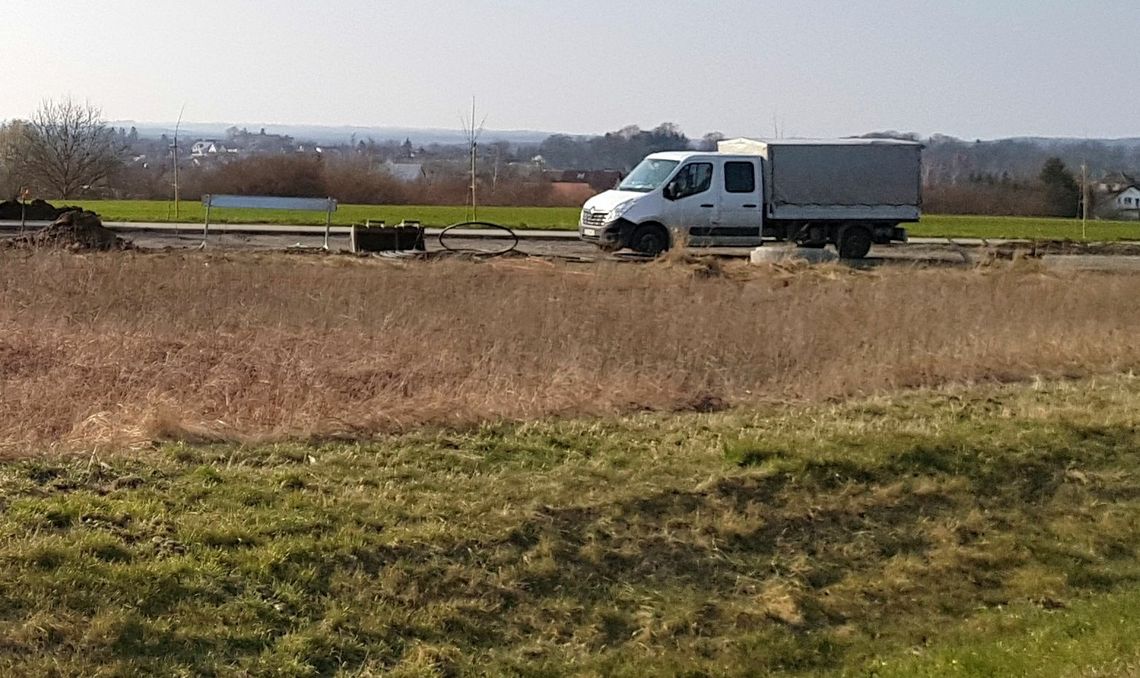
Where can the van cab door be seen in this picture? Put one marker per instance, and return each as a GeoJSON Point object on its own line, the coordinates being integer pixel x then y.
{"type": "Point", "coordinates": [694, 198]}
{"type": "Point", "coordinates": [740, 216]}
{"type": "Point", "coordinates": [717, 202]}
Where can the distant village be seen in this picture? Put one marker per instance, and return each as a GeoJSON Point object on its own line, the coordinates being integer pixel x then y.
{"type": "Point", "coordinates": [402, 161]}
{"type": "Point", "coordinates": [991, 177]}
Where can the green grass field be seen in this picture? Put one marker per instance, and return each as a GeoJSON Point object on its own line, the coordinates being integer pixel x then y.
{"type": "Point", "coordinates": [1026, 228]}
{"type": "Point", "coordinates": [429, 215]}
{"type": "Point", "coordinates": [567, 218]}
{"type": "Point", "coordinates": [983, 532]}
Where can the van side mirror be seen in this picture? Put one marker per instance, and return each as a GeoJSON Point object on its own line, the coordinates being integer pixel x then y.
{"type": "Point", "coordinates": [670, 191]}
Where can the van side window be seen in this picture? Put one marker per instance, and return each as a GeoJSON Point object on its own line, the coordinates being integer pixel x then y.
{"type": "Point", "coordinates": [693, 178]}
{"type": "Point", "coordinates": [739, 177]}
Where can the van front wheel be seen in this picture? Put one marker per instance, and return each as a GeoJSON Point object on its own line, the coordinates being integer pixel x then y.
{"type": "Point", "coordinates": [649, 239]}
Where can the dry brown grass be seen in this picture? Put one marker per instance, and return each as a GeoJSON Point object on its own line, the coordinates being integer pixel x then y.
{"type": "Point", "coordinates": [120, 349]}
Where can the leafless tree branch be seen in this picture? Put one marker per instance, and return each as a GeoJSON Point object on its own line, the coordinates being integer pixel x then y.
{"type": "Point", "coordinates": [68, 147]}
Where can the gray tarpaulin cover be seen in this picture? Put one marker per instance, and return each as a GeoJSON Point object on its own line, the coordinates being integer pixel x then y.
{"type": "Point", "coordinates": [847, 172]}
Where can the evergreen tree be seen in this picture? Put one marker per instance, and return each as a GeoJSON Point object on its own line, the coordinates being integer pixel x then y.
{"type": "Point", "coordinates": [1062, 194]}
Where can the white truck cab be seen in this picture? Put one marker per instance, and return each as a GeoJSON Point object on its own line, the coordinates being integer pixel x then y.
{"type": "Point", "coordinates": [703, 199]}
{"type": "Point", "coordinates": [850, 193]}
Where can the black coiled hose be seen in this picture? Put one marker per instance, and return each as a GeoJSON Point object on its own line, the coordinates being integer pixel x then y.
{"type": "Point", "coordinates": [476, 251]}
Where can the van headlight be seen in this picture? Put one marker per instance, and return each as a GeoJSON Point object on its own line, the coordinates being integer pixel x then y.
{"type": "Point", "coordinates": [619, 211]}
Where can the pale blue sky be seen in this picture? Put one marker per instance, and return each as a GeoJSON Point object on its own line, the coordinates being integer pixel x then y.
{"type": "Point", "coordinates": [973, 68]}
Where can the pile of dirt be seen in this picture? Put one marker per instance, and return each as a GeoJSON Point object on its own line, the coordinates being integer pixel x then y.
{"type": "Point", "coordinates": [77, 230]}
{"type": "Point", "coordinates": [36, 210]}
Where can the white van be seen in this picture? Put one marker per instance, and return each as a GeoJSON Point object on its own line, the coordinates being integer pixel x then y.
{"type": "Point", "coordinates": [850, 193]}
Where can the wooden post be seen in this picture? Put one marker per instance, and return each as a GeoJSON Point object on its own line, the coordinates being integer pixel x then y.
{"type": "Point", "coordinates": [328, 221]}
{"type": "Point", "coordinates": [1084, 201]}
{"type": "Point", "coordinates": [24, 193]}
{"type": "Point", "coordinates": [206, 226]}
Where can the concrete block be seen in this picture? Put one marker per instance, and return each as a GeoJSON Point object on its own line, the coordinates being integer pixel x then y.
{"type": "Point", "coordinates": [783, 254]}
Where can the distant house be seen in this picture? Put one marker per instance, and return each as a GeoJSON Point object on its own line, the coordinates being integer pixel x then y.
{"type": "Point", "coordinates": [596, 180]}
{"type": "Point", "coordinates": [577, 186]}
{"type": "Point", "coordinates": [571, 194]}
{"type": "Point", "coordinates": [405, 171]}
{"type": "Point", "coordinates": [1123, 204]}
{"type": "Point", "coordinates": [1114, 182]}
{"type": "Point", "coordinates": [208, 148]}
{"type": "Point", "coordinates": [260, 143]}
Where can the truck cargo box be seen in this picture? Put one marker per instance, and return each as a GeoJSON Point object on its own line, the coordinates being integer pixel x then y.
{"type": "Point", "coordinates": [846, 179]}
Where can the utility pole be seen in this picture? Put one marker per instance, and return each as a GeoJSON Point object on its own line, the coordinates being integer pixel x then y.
{"type": "Point", "coordinates": [177, 128]}
{"type": "Point", "coordinates": [495, 175]}
{"type": "Point", "coordinates": [474, 161]}
{"type": "Point", "coordinates": [1084, 200]}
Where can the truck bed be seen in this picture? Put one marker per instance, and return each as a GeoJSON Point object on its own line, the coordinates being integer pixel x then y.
{"type": "Point", "coordinates": [847, 179]}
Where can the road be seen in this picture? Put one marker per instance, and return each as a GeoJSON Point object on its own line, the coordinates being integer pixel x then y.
{"type": "Point", "coordinates": [10, 227]}
{"type": "Point", "coordinates": [565, 244]}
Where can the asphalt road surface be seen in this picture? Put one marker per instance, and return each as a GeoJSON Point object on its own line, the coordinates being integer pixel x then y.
{"type": "Point", "coordinates": [565, 244]}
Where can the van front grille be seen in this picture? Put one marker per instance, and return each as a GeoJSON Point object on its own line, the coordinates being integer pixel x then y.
{"type": "Point", "coordinates": [593, 218]}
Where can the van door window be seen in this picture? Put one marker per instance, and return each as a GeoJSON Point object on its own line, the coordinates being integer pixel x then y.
{"type": "Point", "coordinates": [739, 177]}
{"type": "Point", "coordinates": [693, 178]}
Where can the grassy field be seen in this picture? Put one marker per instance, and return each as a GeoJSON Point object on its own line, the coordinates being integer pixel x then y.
{"type": "Point", "coordinates": [429, 215]}
{"type": "Point", "coordinates": [567, 218]}
{"type": "Point", "coordinates": [112, 348]}
{"type": "Point", "coordinates": [985, 531]}
{"type": "Point", "coordinates": [307, 465]}
{"type": "Point", "coordinates": [1026, 228]}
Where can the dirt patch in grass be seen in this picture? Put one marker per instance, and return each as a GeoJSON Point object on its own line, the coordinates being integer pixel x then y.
{"type": "Point", "coordinates": [122, 349]}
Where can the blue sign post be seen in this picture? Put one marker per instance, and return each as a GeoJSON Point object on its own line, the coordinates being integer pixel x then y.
{"type": "Point", "coordinates": [326, 205]}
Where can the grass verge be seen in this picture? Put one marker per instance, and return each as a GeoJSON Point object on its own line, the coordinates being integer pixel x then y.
{"type": "Point", "coordinates": [566, 218]}
{"type": "Point", "coordinates": [560, 218]}
{"type": "Point", "coordinates": [980, 531]}
{"type": "Point", "coordinates": [1023, 228]}
{"type": "Point", "coordinates": [122, 349]}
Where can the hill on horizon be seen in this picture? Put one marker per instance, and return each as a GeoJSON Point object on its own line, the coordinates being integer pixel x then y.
{"type": "Point", "coordinates": [338, 134]}
{"type": "Point", "coordinates": [334, 134]}
{"type": "Point", "coordinates": [946, 159]}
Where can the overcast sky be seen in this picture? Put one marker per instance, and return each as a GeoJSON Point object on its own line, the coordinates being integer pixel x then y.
{"type": "Point", "coordinates": [972, 68]}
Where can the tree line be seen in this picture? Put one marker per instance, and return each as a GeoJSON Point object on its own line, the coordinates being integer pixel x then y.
{"type": "Point", "coordinates": [65, 150]}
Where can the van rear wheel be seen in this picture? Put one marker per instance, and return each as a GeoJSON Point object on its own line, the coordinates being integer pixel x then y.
{"type": "Point", "coordinates": [854, 242]}
{"type": "Point", "coordinates": [649, 239]}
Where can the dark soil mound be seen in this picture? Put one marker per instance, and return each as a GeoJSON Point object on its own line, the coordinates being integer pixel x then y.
{"type": "Point", "coordinates": [36, 210]}
{"type": "Point", "coordinates": [75, 230]}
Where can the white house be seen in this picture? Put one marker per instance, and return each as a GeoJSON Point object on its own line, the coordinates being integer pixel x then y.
{"type": "Point", "coordinates": [1124, 204]}
{"type": "Point", "coordinates": [204, 148]}
{"type": "Point", "coordinates": [406, 172]}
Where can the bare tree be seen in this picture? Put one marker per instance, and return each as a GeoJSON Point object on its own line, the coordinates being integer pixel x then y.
{"type": "Point", "coordinates": [68, 147]}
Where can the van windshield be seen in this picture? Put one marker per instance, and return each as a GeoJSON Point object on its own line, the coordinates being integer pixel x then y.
{"type": "Point", "coordinates": [648, 175]}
